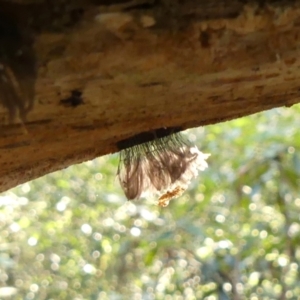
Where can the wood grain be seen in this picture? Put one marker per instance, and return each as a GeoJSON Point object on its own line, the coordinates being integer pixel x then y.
{"type": "Point", "coordinates": [142, 65]}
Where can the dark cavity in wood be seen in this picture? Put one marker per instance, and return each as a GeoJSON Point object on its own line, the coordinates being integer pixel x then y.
{"type": "Point", "coordinates": [74, 100]}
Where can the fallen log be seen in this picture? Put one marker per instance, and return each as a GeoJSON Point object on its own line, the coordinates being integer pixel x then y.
{"type": "Point", "coordinates": [79, 77]}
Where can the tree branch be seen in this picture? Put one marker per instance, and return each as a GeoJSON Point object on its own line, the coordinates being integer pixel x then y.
{"type": "Point", "coordinates": [108, 70]}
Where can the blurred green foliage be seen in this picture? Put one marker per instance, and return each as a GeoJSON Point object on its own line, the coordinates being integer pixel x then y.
{"type": "Point", "coordinates": [233, 235]}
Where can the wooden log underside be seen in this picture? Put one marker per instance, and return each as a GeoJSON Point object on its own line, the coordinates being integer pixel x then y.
{"type": "Point", "coordinates": [125, 69]}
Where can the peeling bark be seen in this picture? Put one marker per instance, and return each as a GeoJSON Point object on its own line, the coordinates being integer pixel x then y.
{"type": "Point", "coordinates": [103, 71]}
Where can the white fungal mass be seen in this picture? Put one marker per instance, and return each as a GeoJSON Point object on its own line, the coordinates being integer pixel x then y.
{"type": "Point", "coordinates": [164, 166]}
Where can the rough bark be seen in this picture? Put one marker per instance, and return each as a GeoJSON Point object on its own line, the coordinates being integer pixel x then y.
{"type": "Point", "coordinates": [102, 71]}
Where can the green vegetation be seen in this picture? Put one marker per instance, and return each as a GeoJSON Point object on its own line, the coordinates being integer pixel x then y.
{"type": "Point", "coordinates": [233, 235]}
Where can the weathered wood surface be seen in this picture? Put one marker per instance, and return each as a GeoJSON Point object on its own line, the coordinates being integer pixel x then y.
{"type": "Point", "coordinates": [135, 66]}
